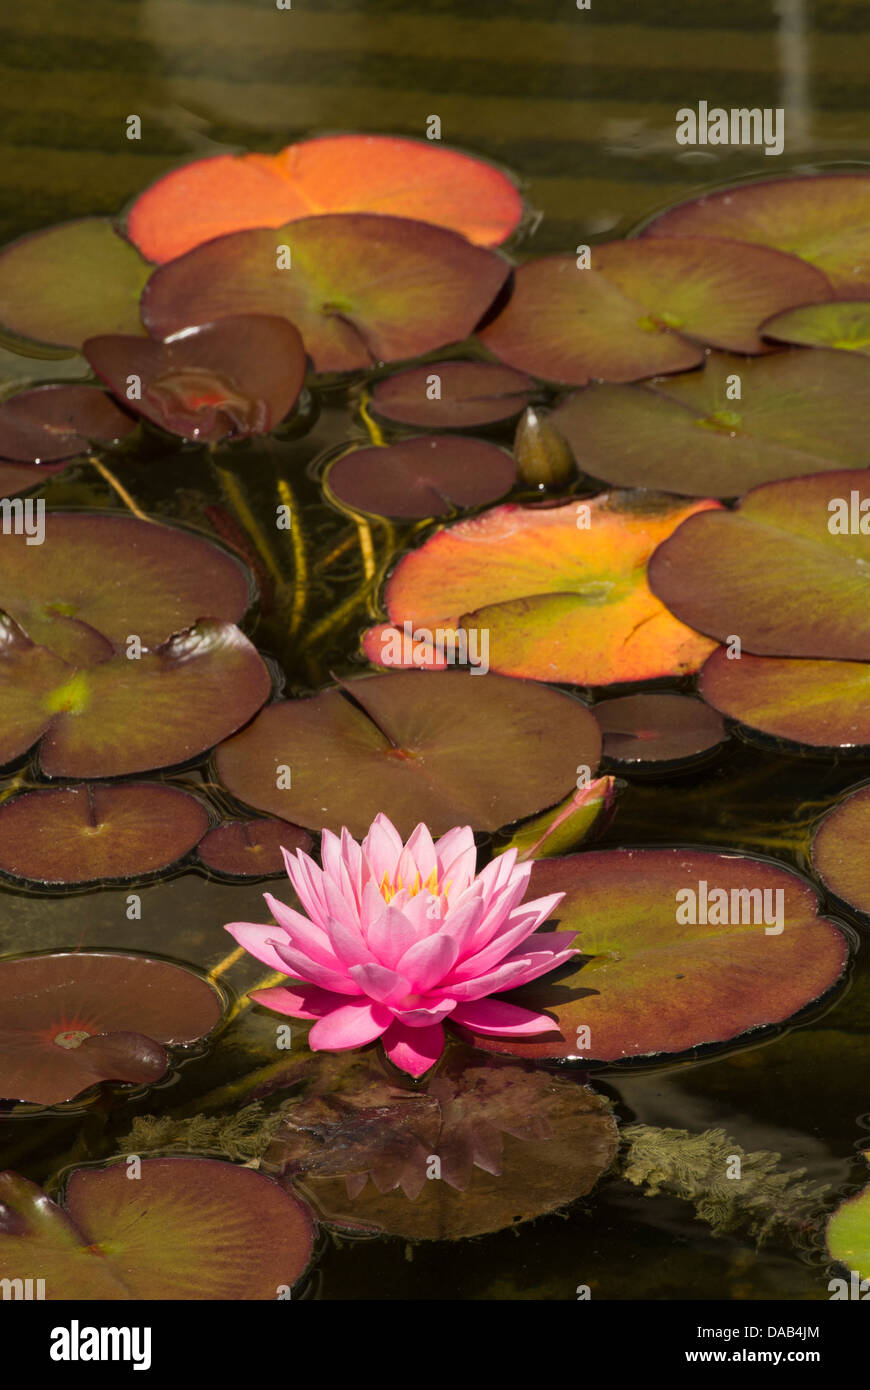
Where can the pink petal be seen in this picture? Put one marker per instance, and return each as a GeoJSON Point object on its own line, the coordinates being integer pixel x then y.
{"type": "Point", "coordinates": [496, 1018]}
{"type": "Point", "coordinates": [415, 1050]}
{"type": "Point", "coordinates": [304, 968]}
{"type": "Point", "coordinates": [457, 858]}
{"type": "Point", "coordinates": [379, 983]}
{"type": "Point", "coordinates": [506, 946]}
{"type": "Point", "coordinates": [307, 880]}
{"type": "Point", "coordinates": [253, 938]}
{"type": "Point", "coordinates": [425, 1015]}
{"type": "Point", "coordinates": [537, 963]}
{"type": "Point", "coordinates": [462, 921]}
{"type": "Point", "coordinates": [541, 907]}
{"type": "Point", "coordinates": [351, 1025]}
{"type": "Point", "coordinates": [496, 913]}
{"type": "Point", "coordinates": [507, 976]}
{"type": "Point", "coordinates": [300, 1001]}
{"type": "Point", "coordinates": [390, 934]}
{"type": "Point", "coordinates": [427, 962]}
{"type": "Point", "coordinates": [304, 934]}
{"type": "Point", "coordinates": [382, 847]}
{"type": "Point", "coordinates": [421, 850]}
{"type": "Point", "coordinates": [349, 944]}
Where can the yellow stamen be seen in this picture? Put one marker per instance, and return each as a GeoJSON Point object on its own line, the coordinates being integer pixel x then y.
{"type": "Point", "coordinates": [389, 888]}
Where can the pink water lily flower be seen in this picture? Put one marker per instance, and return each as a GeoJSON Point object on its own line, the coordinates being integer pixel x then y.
{"type": "Point", "coordinates": [399, 939]}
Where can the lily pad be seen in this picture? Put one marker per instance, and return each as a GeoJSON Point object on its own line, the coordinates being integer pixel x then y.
{"type": "Point", "coordinates": [66, 283]}
{"type": "Point", "coordinates": [361, 289]}
{"type": "Point", "coordinates": [469, 394]}
{"type": "Point", "coordinates": [820, 704]}
{"type": "Point", "coordinates": [584, 813]}
{"type": "Point", "coordinates": [122, 716]}
{"type": "Point", "coordinates": [840, 324]}
{"type": "Point", "coordinates": [58, 422]}
{"type": "Point", "coordinates": [556, 593]}
{"type": "Point", "coordinates": [839, 851]}
{"type": "Point", "coordinates": [641, 729]}
{"type": "Point", "coordinates": [459, 749]}
{"type": "Point", "coordinates": [251, 848]}
{"type": "Point", "coordinates": [100, 579]}
{"type": "Point", "coordinates": [773, 572]}
{"type": "Point", "coordinates": [645, 307]}
{"type": "Point", "coordinates": [824, 218]}
{"type": "Point", "coordinates": [75, 1018]}
{"type": "Point", "coordinates": [239, 376]}
{"type": "Point", "coordinates": [798, 413]}
{"type": "Point", "coordinates": [848, 1236]}
{"type": "Point", "coordinates": [429, 475]}
{"type": "Point", "coordinates": [337, 173]}
{"type": "Point", "coordinates": [650, 983]}
{"type": "Point", "coordinates": [187, 1228]}
{"type": "Point", "coordinates": [511, 1143]}
{"type": "Point", "coordinates": [88, 834]}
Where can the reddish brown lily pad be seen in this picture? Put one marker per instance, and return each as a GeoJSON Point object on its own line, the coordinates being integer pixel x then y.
{"type": "Point", "coordinates": [645, 307]}
{"type": "Point", "coordinates": [57, 422]}
{"type": "Point", "coordinates": [75, 1018]}
{"type": "Point", "coordinates": [239, 376]}
{"type": "Point", "coordinates": [649, 982]}
{"type": "Point", "coordinates": [453, 395]}
{"type": "Point", "coordinates": [821, 704]}
{"type": "Point", "coordinates": [459, 749]}
{"type": "Point", "coordinates": [251, 848]}
{"type": "Point", "coordinates": [185, 1228]}
{"type": "Point", "coordinates": [429, 475]}
{"type": "Point", "coordinates": [25, 477]}
{"type": "Point", "coordinates": [653, 728]}
{"type": "Point", "coordinates": [361, 289]}
{"type": "Point", "coordinates": [840, 324]}
{"type": "Point", "coordinates": [335, 173]}
{"type": "Point", "coordinates": [87, 834]}
{"type": "Point", "coordinates": [839, 851]}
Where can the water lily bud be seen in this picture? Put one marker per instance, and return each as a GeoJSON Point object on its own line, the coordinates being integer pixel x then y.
{"type": "Point", "coordinates": [543, 455]}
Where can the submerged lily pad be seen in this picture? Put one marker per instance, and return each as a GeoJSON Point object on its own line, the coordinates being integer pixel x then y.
{"type": "Point", "coordinates": [239, 376]}
{"type": "Point", "coordinates": [458, 749]}
{"type": "Point", "coordinates": [774, 572]}
{"type": "Point", "coordinates": [187, 1228]}
{"type": "Point", "coordinates": [468, 394]}
{"type": "Point", "coordinates": [122, 716]}
{"type": "Point", "coordinates": [839, 851]}
{"type": "Point", "coordinates": [75, 1018]}
{"type": "Point", "coordinates": [651, 980]}
{"type": "Point", "coordinates": [58, 422]}
{"type": "Point", "coordinates": [361, 289]}
{"type": "Point", "coordinates": [86, 834]}
{"type": "Point", "coordinates": [429, 475]}
{"type": "Point", "coordinates": [841, 324]}
{"type": "Point", "coordinates": [335, 173]}
{"type": "Point", "coordinates": [650, 728]}
{"type": "Point", "coordinates": [66, 283]}
{"type": "Point", "coordinates": [822, 704]}
{"type": "Point", "coordinates": [848, 1236]}
{"type": "Point", "coordinates": [250, 848]}
{"type": "Point", "coordinates": [557, 593]}
{"type": "Point", "coordinates": [824, 218]}
{"type": "Point", "coordinates": [797, 413]}
{"type": "Point", "coordinates": [645, 307]}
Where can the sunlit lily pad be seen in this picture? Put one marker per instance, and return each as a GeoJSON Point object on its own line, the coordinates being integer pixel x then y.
{"type": "Point", "coordinates": [843, 324]}
{"type": "Point", "coordinates": [557, 593]}
{"type": "Point", "coordinates": [581, 815]}
{"type": "Point", "coordinates": [238, 376]}
{"type": "Point", "coordinates": [429, 475]}
{"type": "Point", "coordinates": [361, 289]}
{"type": "Point", "coordinates": [85, 834]}
{"type": "Point", "coordinates": [651, 728]}
{"type": "Point", "coordinates": [773, 572]}
{"type": "Point", "coordinates": [840, 850]}
{"type": "Point", "coordinates": [58, 422]}
{"type": "Point", "coordinates": [465, 394]}
{"type": "Point", "coordinates": [336, 173]}
{"type": "Point", "coordinates": [509, 1143]}
{"type": "Point", "coordinates": [822, 704]}
{"type": "Point", "coordinates": [797, 413]}
{"type": "Point", "coordinates": [459, 749]}
{"type": "Point", "coordinates": [823, 218]}
{"type": "Point", "coordinates": [650, 982]}
{"type": "Point", "coordinates": [848, 1237]}
{"type": "Point", "coordinates": [185, 1228]}
{"type": "Point", "coordinates": [75, 1018]}
{"type": "Point", "coordinates": [645, 307]}
{"type": "Point", "coordinates": [66, 283]}
{"type": "Point", "coordinates": [251, 848]}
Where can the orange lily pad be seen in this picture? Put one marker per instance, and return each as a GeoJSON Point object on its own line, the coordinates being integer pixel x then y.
{"type": "Point", "coordinates": [819, 704]}
{"type": "Point", "coordinates": [839, 850]}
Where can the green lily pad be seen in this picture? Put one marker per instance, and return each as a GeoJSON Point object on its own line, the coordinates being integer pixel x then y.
{"type": "Point", "coordinates": [250, 848]}
{"type": "Point", "coordinates": [88, 834]}
{"type": "Point", "coordinates": [448, 750]}
{"type": "Point", "coordinates": [362, 289]}
{"type": "Point", "coordinates": [429, 475]}
{"type": "Point", "coordinates": [798, 413]}
{"type": "Point", "coordinates": [819, 704]}
{"type": "Point", "coordinates": [645, 307]}
{"type": "Point", "coordinates": [773, 572]}
{"type": "Point", "coordinates": [824, 218]}
{"type": "Point", "coordinates": [555, 593]}
{"type": "Point", "coordinates": [584, 813]}
{"type": "Point", "coordinates": [57, 422]}
{"type": "Point", "coordinates": [839, 851]}
{"type": "Point", "coordinates": [650, 983]}
{"type": "Point", "coordinates": [67, 283]}
{"type": "Point", "coordinates": [848, 1236]}
{"type": "Point", "coordinates": [840, 324]}
{"type": "Point", "coordinates": [75, 1018]}
{"type": "Point", "coordinates": [655, 729]}
{"type": "Point", "coordinates": [469, 394]}
{"type": "Point", "coordinates": [186, 1228]}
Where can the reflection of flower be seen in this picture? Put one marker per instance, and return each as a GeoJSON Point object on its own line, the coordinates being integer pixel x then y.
{"type": "Point", "coordinates": [399, 939]}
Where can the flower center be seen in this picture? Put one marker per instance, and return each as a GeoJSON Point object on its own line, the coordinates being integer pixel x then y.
{"type": "Point", "coordinates": [390, 887]}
